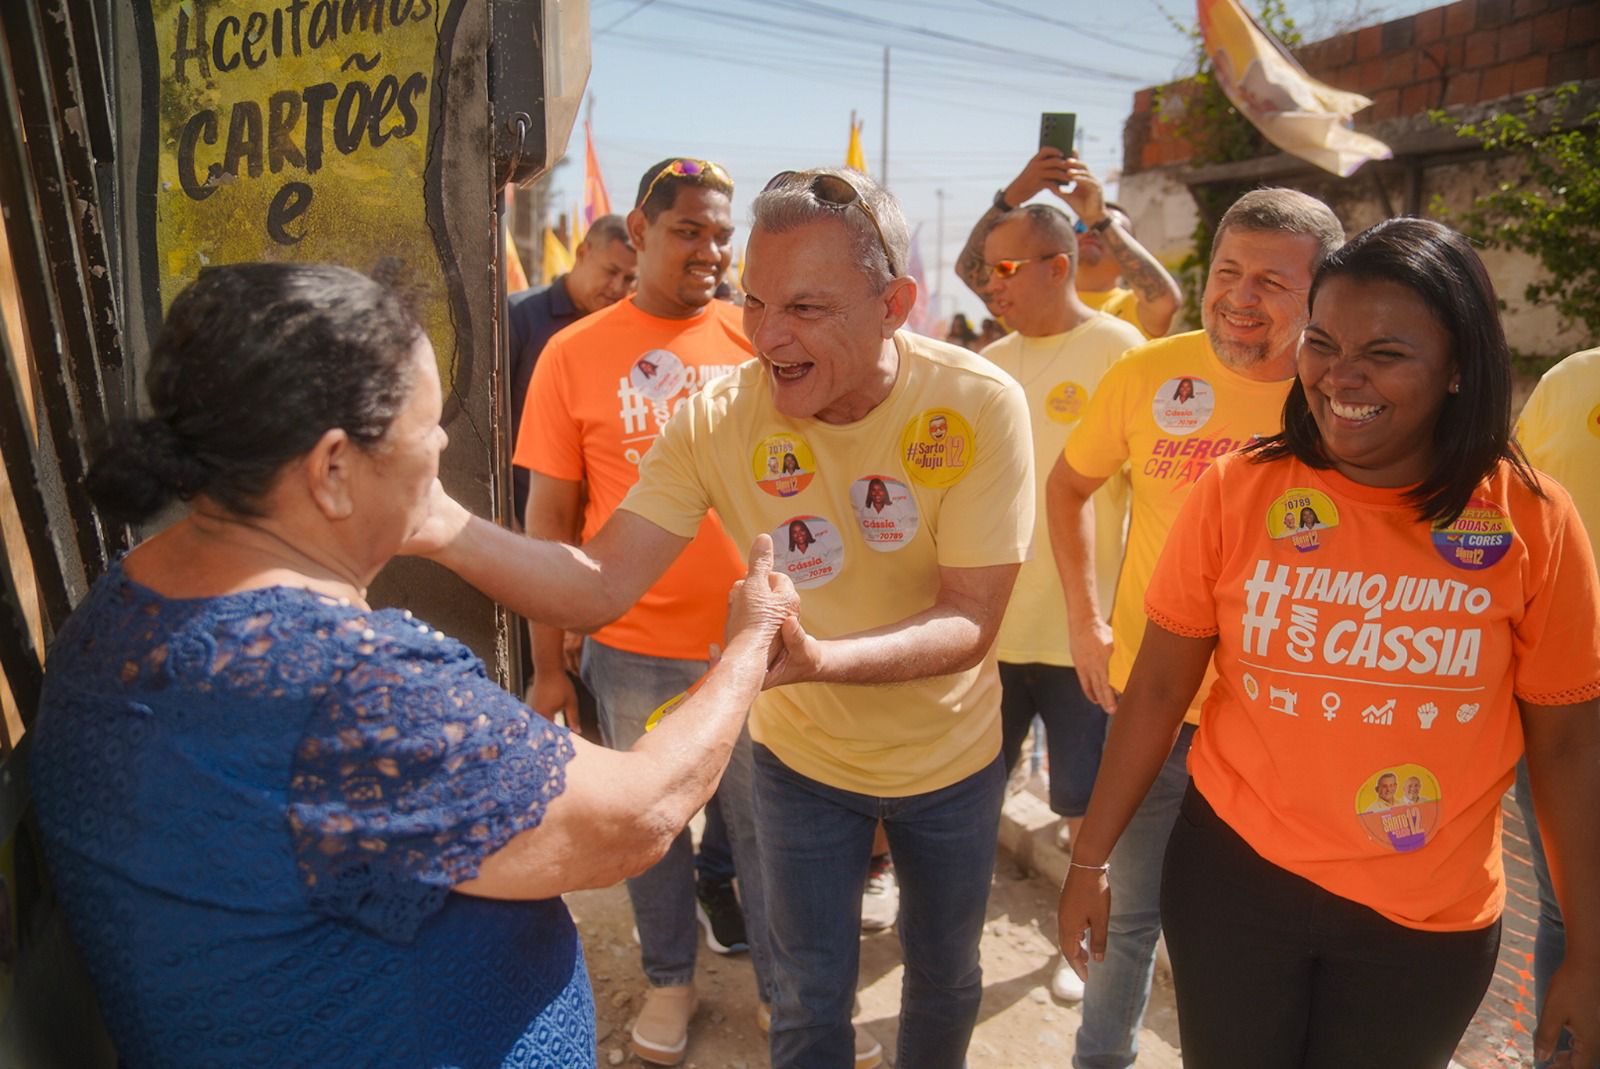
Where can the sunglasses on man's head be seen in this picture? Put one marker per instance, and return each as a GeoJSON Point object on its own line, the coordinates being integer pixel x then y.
{"type": "Point", "coordinates": [1007, 268]}
{"type": "Point", "coordinates": [687, 168]}
{"type": "Point", "coordinates": [835, 191]}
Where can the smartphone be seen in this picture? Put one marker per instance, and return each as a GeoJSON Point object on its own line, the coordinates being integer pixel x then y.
{"type": "Point", "coordinates": [1057, 130]}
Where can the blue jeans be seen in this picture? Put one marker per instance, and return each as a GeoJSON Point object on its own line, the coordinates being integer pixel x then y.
{"type": "Point", "coordinates": [1118, 989]}
{"type": "Point", "coordinates": [1550, 941]}
{"type": "Point", "coordinates": [628, 687]}
{"type": "Point", "coordinates": [714, 862]}
{"type": "Point", "coordinates": [1074, 726]}
{"type": "Point", "coordinates": [816, 841]}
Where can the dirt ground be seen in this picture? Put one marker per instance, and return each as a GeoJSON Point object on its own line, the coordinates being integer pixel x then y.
{"type": "Point", "coordinates": [1019, 1024]}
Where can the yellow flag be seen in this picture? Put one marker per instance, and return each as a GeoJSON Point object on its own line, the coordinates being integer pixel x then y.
{"type": "Point", "coordinates": [557, 260]}
{"type": "Point", "coordinates": [1269, 87]}
{"type": "Point", "coordinates": [854, 158]}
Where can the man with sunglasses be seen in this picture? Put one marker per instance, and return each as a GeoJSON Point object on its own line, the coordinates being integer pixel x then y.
{"type": "Point", "coordinates": [1059, 351]}
{"type": "Point", "coordinates": [883, 699]}
{"type": "Point", "coordinates": [1163, 412]}
{"type": "Point", "coordinates": [1116, 274]}
{"type": "Point", "coordinates": [601, 392]}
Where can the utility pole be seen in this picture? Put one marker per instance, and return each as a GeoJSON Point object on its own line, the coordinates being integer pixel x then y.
{"type": "Point", "coordinates": [883, 167]}
{"type": "Point", "coordinates": [938, 259]}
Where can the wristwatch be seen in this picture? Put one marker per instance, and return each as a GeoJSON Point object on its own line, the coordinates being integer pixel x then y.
{"type": "Point", "coordinates": [1000, 204]}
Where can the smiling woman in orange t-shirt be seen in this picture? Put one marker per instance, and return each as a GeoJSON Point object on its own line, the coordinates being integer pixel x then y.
{"type": "Point", "coordinates": [1398, 606]}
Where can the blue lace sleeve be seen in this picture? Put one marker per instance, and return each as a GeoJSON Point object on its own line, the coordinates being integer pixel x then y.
{"type": "Point", "coordinates": [413, 769]}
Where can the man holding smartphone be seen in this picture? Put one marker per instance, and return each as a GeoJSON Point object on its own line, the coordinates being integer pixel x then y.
{"type": "Point", "coordinates": [1116, 274]}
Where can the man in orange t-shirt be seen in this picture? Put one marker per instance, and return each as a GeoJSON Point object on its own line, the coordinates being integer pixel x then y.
{"type": "Point", "coordinates": [601, 392]}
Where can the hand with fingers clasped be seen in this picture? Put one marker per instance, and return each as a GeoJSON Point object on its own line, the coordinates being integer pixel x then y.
{"type": "Point", "coordinates": [1084, 909]}
{"type": "Point", "coordinates": [761, 603]}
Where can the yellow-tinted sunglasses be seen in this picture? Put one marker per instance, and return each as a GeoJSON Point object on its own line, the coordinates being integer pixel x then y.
{"type": "Point", "coordinates": [686, 168]}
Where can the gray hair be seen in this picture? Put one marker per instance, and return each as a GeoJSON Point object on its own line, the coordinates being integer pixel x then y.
{"type": "Point", "coordinates": [1289, 211]}
{"type": "Point", "coordinates": [789, 207]}
{"type": "Point", "coordinates": [606, 229]}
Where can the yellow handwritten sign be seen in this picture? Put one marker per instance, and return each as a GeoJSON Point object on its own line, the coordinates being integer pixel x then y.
{"type": "Point", "coordinates": [298, 130]}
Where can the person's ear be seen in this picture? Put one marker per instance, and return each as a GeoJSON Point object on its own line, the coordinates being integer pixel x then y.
{"type": "Point", "coordinates": [637, 224]}
{"type": "Point", "coordinates": [330, 474]}
{"type": "Point", "coordinates": [898, 300]}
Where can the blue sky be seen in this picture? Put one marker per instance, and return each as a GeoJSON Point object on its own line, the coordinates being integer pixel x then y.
{"type": "Point", "coordinates": [767, 85]}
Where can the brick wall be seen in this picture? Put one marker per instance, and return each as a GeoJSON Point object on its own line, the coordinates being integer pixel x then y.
{"type": "Point", "coordinates": [1469, 52]}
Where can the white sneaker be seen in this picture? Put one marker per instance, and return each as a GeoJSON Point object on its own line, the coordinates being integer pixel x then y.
{"type": "Point", "coordinates": [1065, 984]}
{"type": "Point", "coordinates": [880, 904]}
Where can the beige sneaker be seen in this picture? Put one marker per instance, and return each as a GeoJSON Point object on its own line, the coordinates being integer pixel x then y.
{"type": "Point", "coordinates": [869, 1052]}
{"type": "Point", "coordinates": [661, 1034]}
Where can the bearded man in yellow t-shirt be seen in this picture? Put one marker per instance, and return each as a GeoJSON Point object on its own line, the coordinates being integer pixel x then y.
{"type": "Point", "coordinates": [1164, 411]}
{"type": "Point", "coordinates": [902, 520]}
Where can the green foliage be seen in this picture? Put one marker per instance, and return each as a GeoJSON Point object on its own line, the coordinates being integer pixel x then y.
{"type": "Point", "coordinates": [1551, 210]}
{"type": "Point", "coordinates": [1198, 111]}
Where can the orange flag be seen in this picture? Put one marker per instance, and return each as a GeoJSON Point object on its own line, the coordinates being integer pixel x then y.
{"type": "Point", "coordinates": [595, 201]}
{"type": "Point", "coordinates": [1269, 87]}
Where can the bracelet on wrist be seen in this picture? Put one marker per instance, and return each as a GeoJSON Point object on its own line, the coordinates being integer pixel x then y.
{"type": "Point", "coordinates": [1101, 868]}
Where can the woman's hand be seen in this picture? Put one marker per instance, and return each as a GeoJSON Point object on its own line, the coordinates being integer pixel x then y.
{"type": "Point", "coordinates": [1573, 1002]}
{"type": "Point", "coordinates": [446, 519]}
{"type": "Point", "coordinates": [762, 600]}
{"type": "Point", "coordinates": [1085, 907]}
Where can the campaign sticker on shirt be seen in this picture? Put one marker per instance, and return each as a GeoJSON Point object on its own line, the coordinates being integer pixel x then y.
{"type": "Point", "coordinates": [659, 375]}
{"type": "Point", "coordinates": [1302, 515]}
{"type": "Point", "coordinates": [885, 510]}
{"type": "Point", "coordinates": [1594, 421]}
{"type": "Point", "coordinates": [937, 447]}
{"type": "Point", "coordinates": [1399, 807]}
{"type": "Point", "coordinates": [1477, 538]}
{"type": "Point", "coordinates": [783, 465]}
{"type": "Point", "coordinates": [809, 550]}
{"type": "Point", "coordinates": [1183, 405]}
{"type": "Point", "coordinates": [1064, 403]}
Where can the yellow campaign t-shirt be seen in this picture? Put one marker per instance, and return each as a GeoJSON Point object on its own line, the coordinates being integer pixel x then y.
{"type": "Point", "coordinates": [1560, 431]}
{"type": "Point", "coordinates": [1058, 374]}
{"type": "Point", "coordinates": [1167, 410]}
{"type": "Point", "coordinates": [1118, 303]}
{"type": "Point", "coordinates": [601, 392]}
{"type": "Point", "coordinates": [1365, 724]}
{"type": "Point", "coordinates": [863, 515]}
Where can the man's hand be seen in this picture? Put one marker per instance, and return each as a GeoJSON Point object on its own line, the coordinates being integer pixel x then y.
{"type": "Point", "coordinates": [1091, 653]}
{"type": "Point", "coordinates": [1048, 169]}
{"type": "Point", "coordinates": [1573, 1002]}
{"type": "Point", "coordinates": [762, 600]}
{"type": "Point", "coordinates": [1084, 908]}
{"type": "Point", "coordinates": [551, 693]}
{"type": "Point", "coordinates": [1083, 193]}
{"type": "Point", "coordinates": [799, 657]}
{"type": "Point", "coordinates": [445, 520]}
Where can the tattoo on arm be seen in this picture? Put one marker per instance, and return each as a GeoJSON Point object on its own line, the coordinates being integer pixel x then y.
{"type": "Point", "coordinates": [1140, 270]}
{"type": "Point", "coordinates": [969, 265]}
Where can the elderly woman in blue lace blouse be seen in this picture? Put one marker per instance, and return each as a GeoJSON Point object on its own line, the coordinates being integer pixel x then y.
{"type": "Point", "coordinates": [288, 828]}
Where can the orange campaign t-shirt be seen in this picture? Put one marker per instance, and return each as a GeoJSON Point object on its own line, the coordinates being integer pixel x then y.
{"type": "Point", "coordinates": [1364, 722]}
{"type": "Point", "coordinates": [601, 392]}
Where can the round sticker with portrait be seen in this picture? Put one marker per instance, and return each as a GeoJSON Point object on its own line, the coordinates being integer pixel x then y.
{"type": "Point", "coordinates": [808, 550]}
{"type": "Point", "coordinates": [1594, 421]}
{"type": "Point", "coordinates": [1183, 405]}
{"type": "Point", "coordinates": [1303, 516]}
{"type": "Point", "coordinates": [1398, 806]}
{"type": "Point", "coordinates": [783, 464]}
{"type": "Point", "coordinates": [1477, 538]}
{"type": "Point", "coordinates": [1064, 403]}
{"type": "Point", "coordinates": [885, 510]}
{"type": "Point", "coordinates": [659, 375]}
{"type": "Point", "coordinates": [937, 447]}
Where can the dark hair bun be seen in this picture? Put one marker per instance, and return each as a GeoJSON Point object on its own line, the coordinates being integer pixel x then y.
{"type": "Point", "coordinates": [141, 467]}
